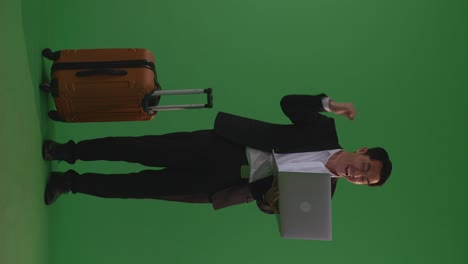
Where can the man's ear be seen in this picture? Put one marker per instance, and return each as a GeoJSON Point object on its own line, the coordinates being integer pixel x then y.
{"type": "Point", "coordinates": [362, 150]}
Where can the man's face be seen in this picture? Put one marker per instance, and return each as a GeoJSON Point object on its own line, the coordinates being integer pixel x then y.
{"type": "Point", "coordinates": [358, 168]}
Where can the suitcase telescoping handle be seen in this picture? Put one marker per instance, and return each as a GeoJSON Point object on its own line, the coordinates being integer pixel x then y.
{"type": "Point", "coordinates": [209, 99]}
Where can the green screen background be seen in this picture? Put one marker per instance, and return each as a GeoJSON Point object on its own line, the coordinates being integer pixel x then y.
{"type": "Point", "coordinates": [402, 63]}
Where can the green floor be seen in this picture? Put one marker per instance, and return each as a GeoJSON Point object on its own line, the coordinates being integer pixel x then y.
{"type": "Point", "coordinates": [403, 64]}
{"type": "Point", "coordinates": [24, 221]}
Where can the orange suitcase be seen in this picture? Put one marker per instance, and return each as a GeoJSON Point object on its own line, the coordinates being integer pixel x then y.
{"type": "Point", "coordinates": [99, 85]}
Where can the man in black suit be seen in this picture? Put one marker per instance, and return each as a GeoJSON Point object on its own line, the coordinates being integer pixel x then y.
{"type": "Point", "coordinates": [205, 166]}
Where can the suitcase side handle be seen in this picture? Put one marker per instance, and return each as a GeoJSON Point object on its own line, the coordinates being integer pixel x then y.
{"type": "Point", "coordinates": [88, 73]}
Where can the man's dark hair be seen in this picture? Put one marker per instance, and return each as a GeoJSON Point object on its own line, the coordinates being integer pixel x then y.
{"type": "Point", "coordinates": [381, 155]}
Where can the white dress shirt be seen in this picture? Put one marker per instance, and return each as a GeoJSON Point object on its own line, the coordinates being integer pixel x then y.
{"type": "Point", "coordinates": [262, 164]}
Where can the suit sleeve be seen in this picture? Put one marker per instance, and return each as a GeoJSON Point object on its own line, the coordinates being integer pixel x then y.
{"type": "Point", "coordinates": [302, 109]}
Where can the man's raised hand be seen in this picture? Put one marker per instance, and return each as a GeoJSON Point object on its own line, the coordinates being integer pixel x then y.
{"type": "Point", "coordinates": [345, 109]}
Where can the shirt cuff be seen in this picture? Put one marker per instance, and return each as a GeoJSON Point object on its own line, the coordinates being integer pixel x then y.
{"type": "Point", "coordinates": [326, 103]}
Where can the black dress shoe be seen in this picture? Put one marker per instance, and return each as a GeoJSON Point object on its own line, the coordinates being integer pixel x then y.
{"type": "Point", "coordinates": [52, 150]}
{"type": "Point", "coordinates": [59, 183]}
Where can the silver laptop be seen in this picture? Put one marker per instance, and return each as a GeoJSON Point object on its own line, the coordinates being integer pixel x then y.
{"type": "Point", "coordinates": [305, 205]}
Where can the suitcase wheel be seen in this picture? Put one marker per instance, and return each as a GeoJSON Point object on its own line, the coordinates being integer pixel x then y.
{"type": "Point", "coordinates": [45, 87]}
{"type": "Point", "coordinates": [49, 54]}
{"type": "Point", "coordinates": [54, 115]}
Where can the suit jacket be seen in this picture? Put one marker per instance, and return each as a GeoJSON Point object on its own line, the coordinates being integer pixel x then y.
{"type": "Point", "coordinates": [309, 131]}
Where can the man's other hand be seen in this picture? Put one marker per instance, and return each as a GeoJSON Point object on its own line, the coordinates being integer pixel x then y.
{"type": "Point", "coordinates": [272, 196]}
{"type": "Point", "coordinates": [344, 109]}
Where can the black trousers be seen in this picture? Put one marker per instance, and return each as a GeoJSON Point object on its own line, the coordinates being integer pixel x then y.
{"type": "Point", "coordinates": [196, 164]}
